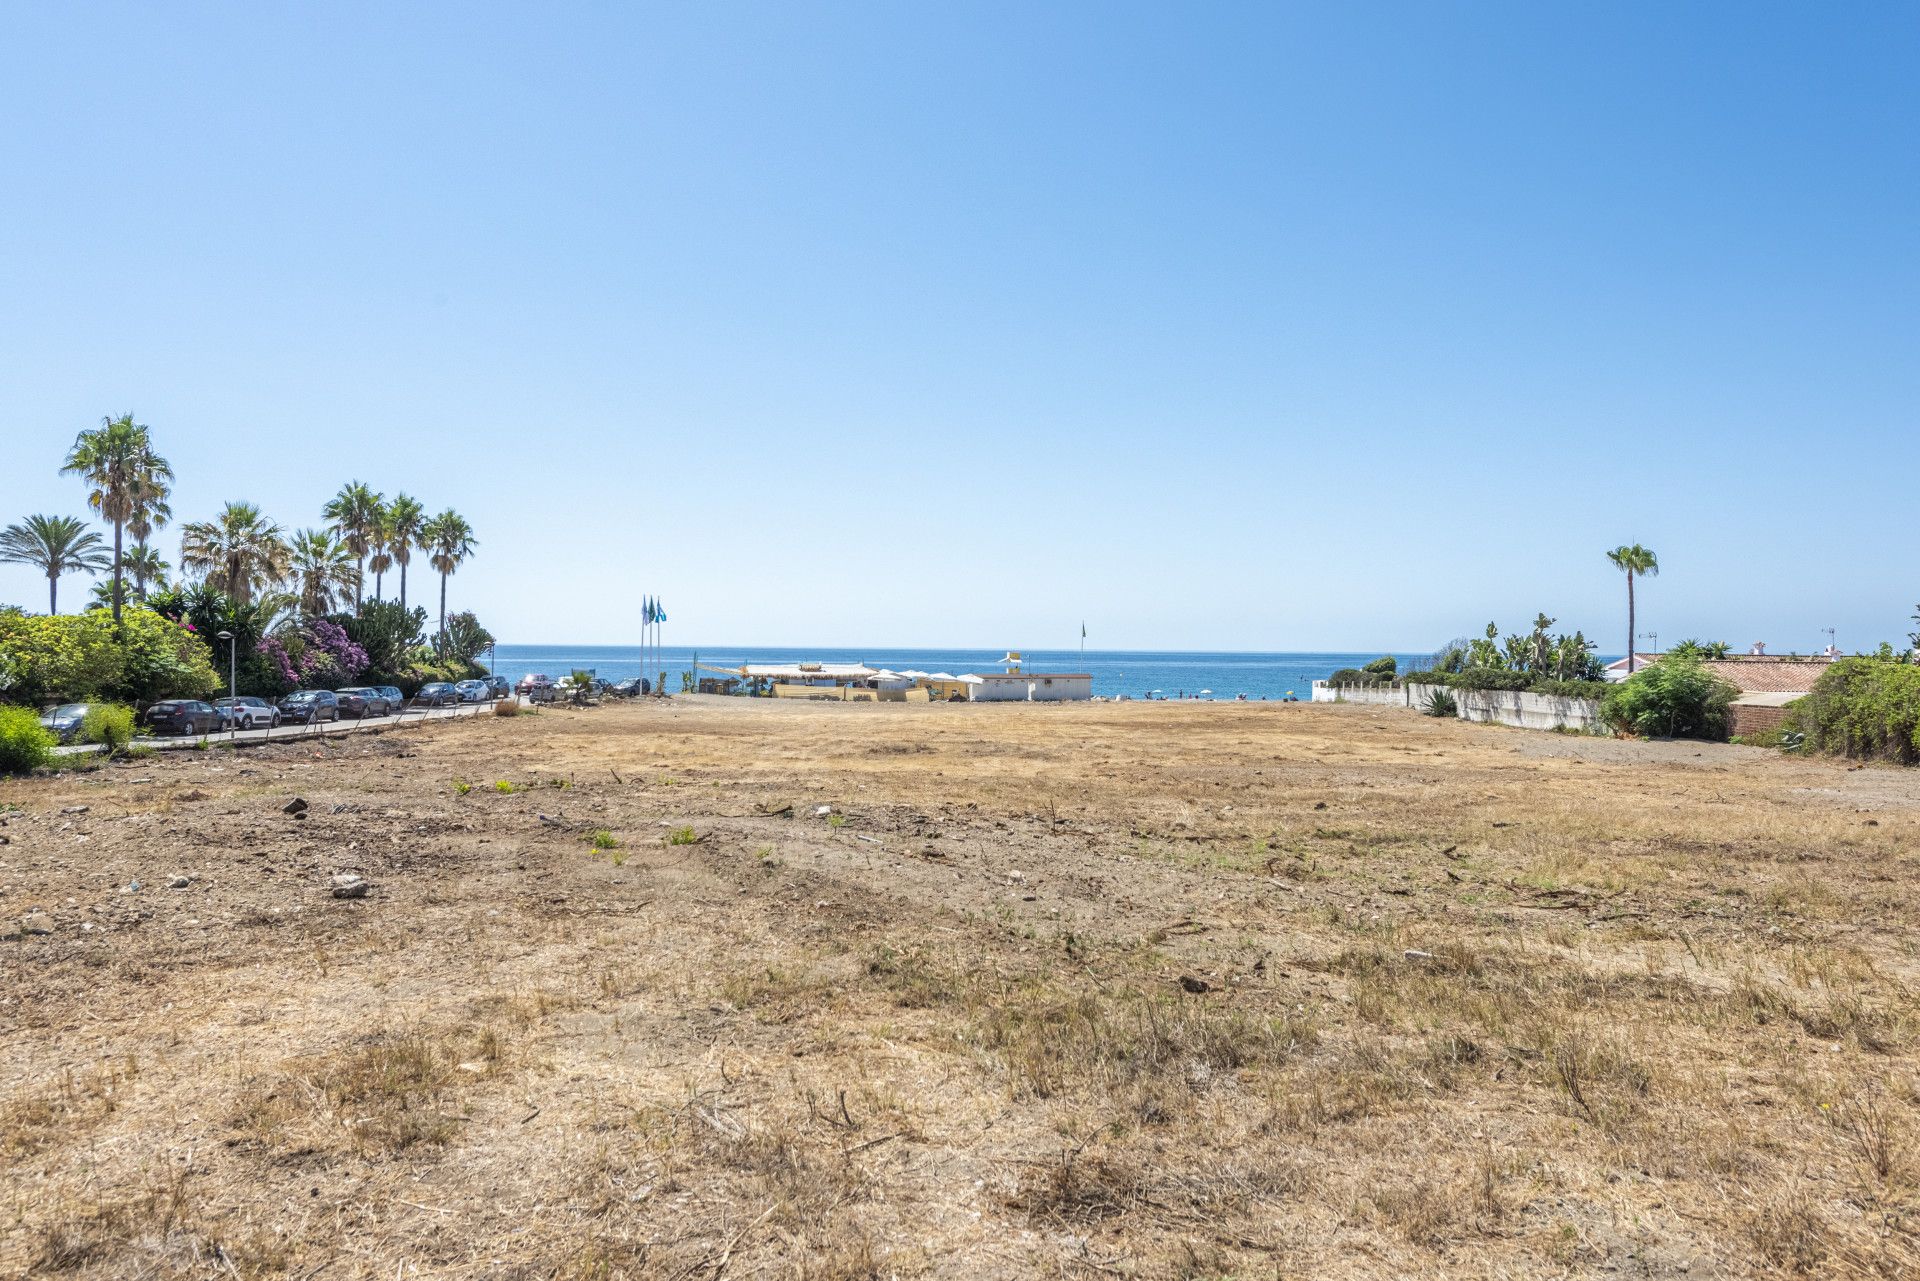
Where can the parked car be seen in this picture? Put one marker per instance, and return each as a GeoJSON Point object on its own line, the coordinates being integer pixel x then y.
{"type": "Point", "coordinates": [362, 701]}
{"type": "Point", "coordinates": [500, 686]}
{"type": "Point", "coordinates": [65, 719]}
{"type": "Point", "coordinates": [310, 706]}
{"type": "Point", "coordinates": [438, 694]}
{"type": "Point", "coordinates": [395, 699]}
{"type": "Point", "coordinates": [248, 712]}
{"type": "Point", "coordinates": [534, 681]}
{"type": "Point", "coordinates": [629, 688]}
{"type": "Point", "coordinates": [182, 716]}
{"type": "Point", "coordinates": [472, 691]}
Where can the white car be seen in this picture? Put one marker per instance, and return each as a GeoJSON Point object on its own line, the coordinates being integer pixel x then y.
{"type": "Point", "coordinates": [248, 712]}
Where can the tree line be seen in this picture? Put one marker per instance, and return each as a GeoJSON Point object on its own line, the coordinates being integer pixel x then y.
{"type": "Point", "coordinates": [239, 552]}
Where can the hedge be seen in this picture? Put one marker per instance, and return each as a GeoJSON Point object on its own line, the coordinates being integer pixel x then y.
{"type": "Point", "coordinates": [1862, 707]}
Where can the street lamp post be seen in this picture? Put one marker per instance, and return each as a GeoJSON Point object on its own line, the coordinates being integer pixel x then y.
{"type": "Point", "coordinates": [233, 685]}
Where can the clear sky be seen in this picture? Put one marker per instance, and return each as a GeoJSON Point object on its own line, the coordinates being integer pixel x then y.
{"type": "Point", "coordinates": [1231, 327]}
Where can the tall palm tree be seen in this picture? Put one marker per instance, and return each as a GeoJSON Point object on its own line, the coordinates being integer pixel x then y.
{"type": "Point", "coordinates": [1630, 561]}
{"type": "Point", "coordinates": [322, 568]}
{"type": "Point", "coordinates": [405, 518]}
{"type": "Point", "coordinates": [152, 487]}
{"type": "Point", "coordinates": [56, 545]}
{"type": "Point", "coordinates": [117, 461]}
{"type": "Point", "coordinates": [239, 551]}
{"type": "Point", "coordinates": [380, 551]}
{"type": "Point", "coordinates": [450, 540]}
{"type": "Point", "coordinates": [356, 516]}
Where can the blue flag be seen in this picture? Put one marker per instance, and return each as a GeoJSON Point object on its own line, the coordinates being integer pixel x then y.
{"type": "Point", "coordinates": [659, 614]}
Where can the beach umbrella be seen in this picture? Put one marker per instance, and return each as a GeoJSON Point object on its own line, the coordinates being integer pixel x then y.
{"type": "Point", "coordinates": [1206, 691]}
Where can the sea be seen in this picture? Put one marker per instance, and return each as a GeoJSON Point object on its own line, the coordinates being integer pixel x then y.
{"type": "Point", "coordinates": [1135, 673]}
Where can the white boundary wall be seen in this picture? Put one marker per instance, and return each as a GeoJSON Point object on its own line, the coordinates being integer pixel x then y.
{"type": "Point", "coordinates": [1496, 706]}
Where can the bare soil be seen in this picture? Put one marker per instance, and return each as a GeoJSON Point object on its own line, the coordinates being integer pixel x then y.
{"type": "Point", "coordinates": [1220, 990]}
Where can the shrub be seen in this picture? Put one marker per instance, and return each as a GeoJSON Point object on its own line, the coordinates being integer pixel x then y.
{"type": "Point", "coordinates": [160, 659]}
{"type": "Point", "coordinates": [72, 657]}
{"type": "Point", "coordinates": [1441, 702]}
{"type": "Point", "coordinates": [1386, 665]}
{"type": "Point", "coordinates": [1595, 690]}
{"type": "Point", "coordinates": [1863, 707]}
{"type": "Point", "coordinates": [424, 671]}
{"type": "Point", "coordinates": [1490, 678]}
{"type": "Point", "coordinates": [464, 639]}
{"type": "Point", "coordinates": [25, 744]}
{"type": "Point", "coordinates": [388, 634]}
{"type": "Point", "coordinates": [110, 725]}
{"type": "Point", "coordinates": [60, 657]}
{"type": "Point", "coordinates": [1673, 698]}
{"type": "Point", "coordinates": [1356, 676]}
{"type": "Point", "coordinates": [1432, 676]}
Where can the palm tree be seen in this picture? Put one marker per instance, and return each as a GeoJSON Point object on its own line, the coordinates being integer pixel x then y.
{"type": "Point", "coordinates": [56, 545]}
{"type": "Point", "coordinates": [355, 513]}
{"type": "Point", "coordinates": [117, 460]}
{"type": "Point", "coordinates": [380, 551]}
{"type": "Point", "coordinates": [322, 569]}
{"type": "Point", "coordinates": [1630, 561]}
{"type": "Point", "coordinates": [152, 488]}
{"type": "Point", "coordinates": [239, 551]}
{"type": "Point", "coordinates": [146, 567]}
{"type": "Point", "coordinates": [405, 517]}
{"type": "Point", "coordinates": [451, 540]}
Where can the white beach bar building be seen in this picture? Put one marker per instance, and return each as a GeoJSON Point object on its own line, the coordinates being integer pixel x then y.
{"type": "Point", "coordinates": [1031, 687]}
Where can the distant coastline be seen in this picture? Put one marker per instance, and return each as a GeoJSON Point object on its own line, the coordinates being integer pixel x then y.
{"type": "Point", "coordinates": [1135, 673]}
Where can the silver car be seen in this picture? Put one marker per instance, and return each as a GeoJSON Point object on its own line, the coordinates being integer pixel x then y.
{"type": "Point", "coordinates": [472, 691]}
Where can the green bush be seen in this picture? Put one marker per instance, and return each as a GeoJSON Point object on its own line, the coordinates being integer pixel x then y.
{"type": "Point", "coordinates": [110, 725]}
{"type": "Point", "coordinates": [74, 657]}
{"type": "Point", "coordinates": [1490, 678]}
{"type": "Point", "coordinates": [1432, 676]}
{"type": "Point", "coordinates": [1385, 665]}
{"type": "Point", "coordinates": [389, 634]}
{"type": "Point", "coordinates": [1673, 698]}
{"type": "Point", "coordinates": [424, 671]}
{"type": "Point", "coordinates": [25, 744]}
{"type": "Point", "coordinates": [1441, 702]}
{"type": "Point", "coordinates": [1862, 707]}
{"type": "Point", "coordinates": [1357, 676]}
{"type": "Point", "coordinates": [161, 659]}
{"type": "Point", "coordinates": [1595, 690]}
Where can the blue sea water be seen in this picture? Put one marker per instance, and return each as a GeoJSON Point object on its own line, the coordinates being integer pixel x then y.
{"type": "Point", "coordinates": [1134, 673]}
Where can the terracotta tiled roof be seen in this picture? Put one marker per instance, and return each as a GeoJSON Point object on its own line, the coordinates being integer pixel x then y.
{"type": "Point", "coordinates": [1769, 675]}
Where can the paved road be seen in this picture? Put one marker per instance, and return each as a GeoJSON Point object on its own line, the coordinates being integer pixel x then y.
{"type": "Point", "coordinates": [287, 733]}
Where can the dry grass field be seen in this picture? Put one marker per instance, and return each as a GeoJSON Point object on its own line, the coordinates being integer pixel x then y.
{"type": "Point", "coordinates": [1194, 991]}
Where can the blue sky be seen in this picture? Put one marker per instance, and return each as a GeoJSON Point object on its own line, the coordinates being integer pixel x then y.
{"type": "Point", "coordinates": [1224, 327]}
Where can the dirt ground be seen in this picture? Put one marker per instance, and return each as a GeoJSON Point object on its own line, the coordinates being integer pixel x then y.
{"type": "Point", "coordinates": [744, 988]}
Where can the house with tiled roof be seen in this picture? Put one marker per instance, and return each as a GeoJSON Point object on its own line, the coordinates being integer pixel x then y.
{"type": "Point", "coordinates": [1767, 683]}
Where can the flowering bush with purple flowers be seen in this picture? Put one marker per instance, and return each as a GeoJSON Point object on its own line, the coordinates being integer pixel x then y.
{"type": "Point", "coordinates": [318, 656]}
